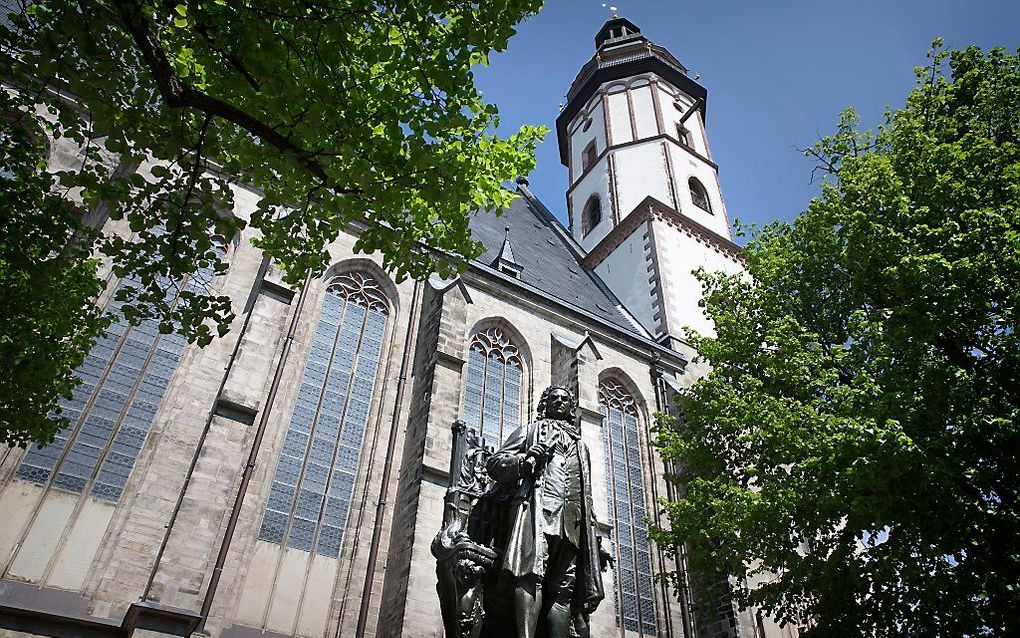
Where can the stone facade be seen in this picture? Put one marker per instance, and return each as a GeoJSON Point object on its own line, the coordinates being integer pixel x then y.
{"type": "Point", "coordinates": [184, 550]}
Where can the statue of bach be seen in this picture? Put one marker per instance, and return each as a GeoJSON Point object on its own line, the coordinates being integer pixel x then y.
{"type": "Point", "coordinates": [552, 555]}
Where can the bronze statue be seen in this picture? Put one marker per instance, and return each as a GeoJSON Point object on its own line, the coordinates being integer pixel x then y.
{"type": "Point", "coordinates": [519, 555]}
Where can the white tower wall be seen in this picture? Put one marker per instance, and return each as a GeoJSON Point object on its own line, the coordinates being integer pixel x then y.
{"type": "Point", "coordinates": [656, 224]}
{"type": "Point", "coordinates": [641, 171]}
{"type": "Point", "coordinates": [679, 254]}
{"type": "Point", "coordinates": [626, 271]}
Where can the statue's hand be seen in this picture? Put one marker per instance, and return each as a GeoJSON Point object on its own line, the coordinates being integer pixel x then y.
{"type": "Point", "coordinates": [535, 456]}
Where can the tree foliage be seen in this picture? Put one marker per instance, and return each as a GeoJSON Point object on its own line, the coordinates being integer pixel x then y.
{"type": "Point", "coordinates": [48, 318]}
{"type": "Point", "coordinates": [339, 112]}
{"type": "Point", "coordinates": [852, 457]}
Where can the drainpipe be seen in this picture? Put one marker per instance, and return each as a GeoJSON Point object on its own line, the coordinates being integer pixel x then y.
{"type": "Point", "coordinates": [249, 304]}
{"type": "Point", "coordinates": [391, 445]}
{"type": "Point", "coordinates": [249, 467]}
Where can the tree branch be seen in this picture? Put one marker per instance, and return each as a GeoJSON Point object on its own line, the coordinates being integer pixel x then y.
{"type": "Point", "coordinates": [177, 94]}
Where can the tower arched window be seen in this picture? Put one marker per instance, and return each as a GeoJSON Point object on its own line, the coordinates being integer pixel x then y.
{"type": "Point", "coordinates": [589, 156]}
{"type": "Point", "coordinates": [635, 602]}
{"type": "Point", "coordinates": [591, 216]}
{"type": "Point", "coordinates": [314, 482]}
{"type": "Point", "coordinates": [699, 195]}
{"type": "Point", "coordinates": [492, 395]}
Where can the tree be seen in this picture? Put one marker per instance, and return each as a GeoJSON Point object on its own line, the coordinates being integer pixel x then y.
{"type": "Point", "coordinates": [852, 457]}
{"type": "Point", "coordinates": [339, 112]}
{"type": "Point", "coordinates": [48, 318]}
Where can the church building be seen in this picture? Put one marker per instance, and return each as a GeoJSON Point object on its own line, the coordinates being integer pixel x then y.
{"type": "Point", "coordinates": [288, 479]}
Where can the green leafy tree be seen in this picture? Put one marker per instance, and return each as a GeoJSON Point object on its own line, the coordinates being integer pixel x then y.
{"type": "Point", "coordinates": [48, 318]}
{"type": "Point", "coordinates": [853, 457]}
{"type": "Point", "coordinates": [339, 113]}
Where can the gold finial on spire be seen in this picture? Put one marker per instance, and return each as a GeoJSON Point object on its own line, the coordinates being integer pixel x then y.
{"type": "Point", "coordinates": [611, 8]}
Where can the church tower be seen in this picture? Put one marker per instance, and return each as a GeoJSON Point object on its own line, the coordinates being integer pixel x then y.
{"type": "Point", "coordinates": [644, 199]}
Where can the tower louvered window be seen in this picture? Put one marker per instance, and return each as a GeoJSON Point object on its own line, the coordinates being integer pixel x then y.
{"type": "Point", "coordinates": [635, 603]}
{"type": "Point", "coordinates": [591, 216]}
{"type": "Point", "coordinates": [314, 482]}
{"type": "Point", "coordinates": [492, 397]}
{"type": "Point", "coordinates": [124, 379]}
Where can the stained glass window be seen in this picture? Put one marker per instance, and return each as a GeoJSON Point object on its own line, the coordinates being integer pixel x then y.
{"type": "Point", "coordinates": [635, 604]}
{"type": "Point", "coordinates": [314, 482]}
{"type": "Point", "coordinates": [492, 396]}
{"type": "Point", "coordinates": [124, 378]}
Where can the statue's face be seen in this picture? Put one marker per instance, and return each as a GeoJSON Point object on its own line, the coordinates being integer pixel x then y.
{"type": "Point", "coordinates": [558, 405]}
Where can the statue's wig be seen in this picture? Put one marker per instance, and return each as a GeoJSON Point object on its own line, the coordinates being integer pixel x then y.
{"type": "Point", "coordinates": [544, 401]}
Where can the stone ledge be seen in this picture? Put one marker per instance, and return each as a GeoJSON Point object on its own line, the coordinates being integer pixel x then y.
{"type": "Point", "coordinates": [33, 621]}
{"type": "Point", "coordinates": [160, 618]}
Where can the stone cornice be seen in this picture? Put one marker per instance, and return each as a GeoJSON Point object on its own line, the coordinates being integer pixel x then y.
{"type": "Point", "coordinates": [651, 208]}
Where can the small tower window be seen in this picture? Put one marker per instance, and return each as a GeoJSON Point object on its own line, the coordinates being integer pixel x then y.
{"type": "Point", "coordinates": [592, 215]}
{"type": "Point", "coordinates": [589, 156]}
{"type": "Point", "coordinates": [699, 195]}
{"type": "Point", "coordinates": [684, 135]}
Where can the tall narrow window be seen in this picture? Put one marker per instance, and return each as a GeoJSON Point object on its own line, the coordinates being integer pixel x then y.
{"type": "Point", "coordinates": [699, 195]}
{"type": "Point", "coordinates": [591, 216]}
{"type": "Point", "coordinates": [492, 396]}
{"type": "Point", "coordinates": [635, 604]}
{"type": "Point", "coordinates": [124, 378]}
{"type": "Point", "coordinates": [311, 492]}
{"type": "Point", "coordinates": [589, 156]}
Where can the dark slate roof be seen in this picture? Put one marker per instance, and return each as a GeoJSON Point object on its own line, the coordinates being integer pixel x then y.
{"type": "Point", "coordinates": [8, 7]}
{"type": "Point", "coordinates": [549, 258]}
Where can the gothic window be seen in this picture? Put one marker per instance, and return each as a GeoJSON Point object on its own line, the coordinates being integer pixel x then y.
{"type": "Point", "coordinates": [635, 604]}
{"type": "Point", "coordinates": [699, 195]}
{"type": "Point", "coordinates": [314, 483]}
{"type": "Point", "coordinates": [124, 378]}
{"type": "Point", "coordinates": [591, 216]}
{"type": "Point", "coordinates": [589, 156]}
{"type": "Point", "coordinates": [492, 396]}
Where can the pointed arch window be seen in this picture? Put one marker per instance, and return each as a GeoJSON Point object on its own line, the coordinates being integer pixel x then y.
{"type": "Point", "coordinates": [591, 216]}
{"type": "Point", "coordinates": [123, 381]}
{"type": "Point", "coordinates": [699, 195]}
{"type": "Point", "coordinates": [314, 483]}
{"type": "Point", "coordinates": [635, 602]}
{"type": "Point", "coordinates": [492, 395]}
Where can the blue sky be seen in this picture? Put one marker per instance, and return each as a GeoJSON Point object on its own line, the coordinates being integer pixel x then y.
{"type": "Point", "coordinates": [777, 75]}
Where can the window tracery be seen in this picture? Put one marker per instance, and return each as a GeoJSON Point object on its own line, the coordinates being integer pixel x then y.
{"type": "Point", "coordinates": [312, 490]}
{"type": "Point", "coordinates": [492, 395]}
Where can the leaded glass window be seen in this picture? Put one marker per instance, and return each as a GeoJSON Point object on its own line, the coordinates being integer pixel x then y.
{"type": "Point", "coordinates": [635, 604]}
{"type": "Point", "coordinates": [492, 396]}
{"type": "Point", "coordinates": [124, 378]}
{"type": "Point", "coordinates": [311, 492]}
